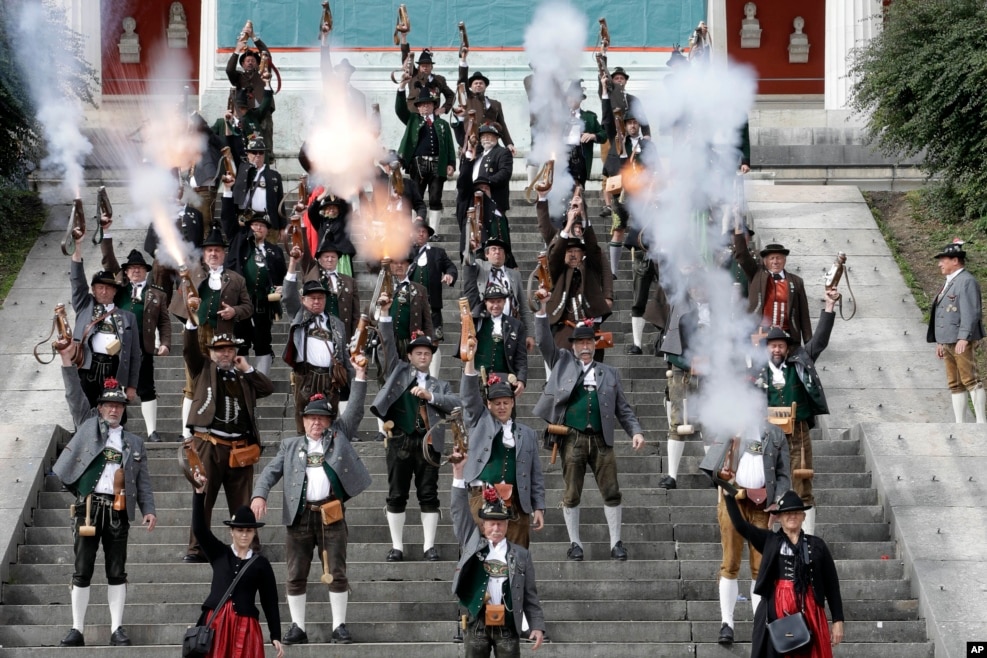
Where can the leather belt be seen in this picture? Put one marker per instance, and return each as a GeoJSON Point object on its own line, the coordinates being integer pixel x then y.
{"type": "Point", "coordinates": [316, 506]}
{"type": "Point", "coordinates": [318, 370]}
{"type": "Point", "coordinates": [101, 357]}
{"type": "Point", "coordinates": [217, 440]}
{"type": "Point", "coordinates": [101, 499]}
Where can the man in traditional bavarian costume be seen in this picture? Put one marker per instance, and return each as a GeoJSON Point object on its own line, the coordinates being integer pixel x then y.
{"type": "Point", "coordinates": [258, 189]}
{"type": "Point", "coordinates": [687, 322]}
{"type": "Point", "coordinates": [225, 436]}
{"type": "Point", "coordinates": [261, 264]}
{"type": "Point", "coordinates": [759, 466]}
{"type": "Point", "coordinates": [432, 269]}
{"type": "Point", "coordinates": [494, 579]}
{"type": "Point", "coordinates": [149, 305]}
{"type": "Point", "coordinates": [428, 151]}
{"type": "Point", "coordinates": [775, 295]}
{"type": "Point", "coordinates": [413, 402]}
{"type": "Point", "coordinates": [321, 471]}
{"type": "Point", "coordinates": [316, 346]}
{"type": "Point", "coordinates": [223, 301]}
{"type": "Point", "coordinates": [108, 335]}
{"type": "Point", "coordinates": [88, 468]}
{"type": "Point", "coordinates": [501, 339]}
{"type": "Point", "coordinates": [582, 401]}
{"type": "Point", "coordinates": [790, 376]}
{"type": "Point", "coordinates": [494, 272]}
{"type": "Point", "coordinates": [502, 452]}
{"type": "Point", "coordinates": [410, 311]}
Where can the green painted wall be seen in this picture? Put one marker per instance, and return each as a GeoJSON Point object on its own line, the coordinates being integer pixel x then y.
{"type": "Point", "coordinates": [370, 24]}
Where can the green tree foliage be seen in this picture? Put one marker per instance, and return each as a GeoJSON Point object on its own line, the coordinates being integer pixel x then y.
{"type": "Point", "coordinates": [21, 139]}
{"type": "Point", "coordinates": [923, 83]}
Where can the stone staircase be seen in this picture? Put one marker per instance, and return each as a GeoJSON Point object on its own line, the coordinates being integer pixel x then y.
{"type": "Point", "coordinates": [662, 602]}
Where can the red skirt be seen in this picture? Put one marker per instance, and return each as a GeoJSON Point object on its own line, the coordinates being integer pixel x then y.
{"type": "Point", "coordinates": [236, 636]}
{"type": "Point", "coordinates": [815, 617]}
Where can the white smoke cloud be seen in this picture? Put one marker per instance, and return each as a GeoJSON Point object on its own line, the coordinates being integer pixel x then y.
{"type": "Point", "coordinates": [704, 107]}
{"type": "Point", "coordinates": [553, 44]}
{"type": "Point", "coordinates": [46, 65]}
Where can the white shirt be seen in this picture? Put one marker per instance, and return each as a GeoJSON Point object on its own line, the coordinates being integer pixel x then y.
{"type": "Point", "coordinates": [589, 377]}
{"type": "Point", "coordinates": [575, 132]}
{"type": "Point", "coordinates": [216, 278]}
{"type": "Point", "coordinates": [777, 373]}
{"type": "Point", "coordinates": [479, 161]}
{"type": "Point", "coordinates": [318, 487]}
{"type": "Point", "coordinates": [750, 470]}
{"type": "Point", "coordinates": [258, 199]}
{"type": "Point", "coordinates": [100, 342]}
{"type": "Point", "coordinates": [114, 440]}
{"type": "Point", "coordinates": [497, 322]}
{"type": "Point", "coordinates": [495, 586]}
{"type": "Point", "coordinates": [317, 352]}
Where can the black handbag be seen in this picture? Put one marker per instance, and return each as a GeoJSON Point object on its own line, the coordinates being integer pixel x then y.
{"type": "Point", "coordinates": [198, 639]}
{"type": "Point", "coordinates": [789, 633]}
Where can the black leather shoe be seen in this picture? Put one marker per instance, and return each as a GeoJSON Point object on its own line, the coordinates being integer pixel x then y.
{"type": "Point", "coordinates": [73, 639]}
{"type": "Point", "coordinates": [435, 238]}
{"type": "Point", "coordinates": [380, 436]}
{"type": "Point", "coordinates": [432, 555]}
{"type": "Point", "coordinates": [394, 555]}
{"type": "Point", "coordinates": [667, 482]}
{"type": "Point", "coordinates": [119, 638]}
{"type": "Point", "coordinates": [295, 635]}
{"type": "Point", "coordinates": [193, 558]}
{"type": "Point", "coordinates": [618, 552]}
{"type": "Point", "coordinates": [575, 552]}
{"type": "Point", "coordinates": [633, 349]}
{"type": "Point", "coordinates": [606, 211]}
{"type": "Point", "coordinates": [341, 635]}
{"type": "Point", "coordinates": [154, 437]}
{"type": "Point", "coordinates": [726, 634]}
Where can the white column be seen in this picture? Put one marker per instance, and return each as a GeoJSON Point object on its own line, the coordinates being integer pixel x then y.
{"type": "Point", "coordinates": [716, 22]}
{"type": "Point", "coordinates": [849, 24]}
{"type": "Point", "coordinates": [208, 42]}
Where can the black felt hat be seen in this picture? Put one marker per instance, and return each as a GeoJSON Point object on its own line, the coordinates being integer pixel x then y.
{"type": "Point", "coordinates": [135, 257]}
{"type": "Point", "coordinates": [215, 237]}
{"type": "Point", "coordinates": [106, 278]}
{"type": "Point", "coordinates": [952, 250]}
{"type": "Point", "coordinates": [314, 287]}
{"type": "Point", "coordinates": [791, 502]}
{"type": "Point", "coordinates": [224, 340]}
{"type": "Point", "coordinates": [777, 333]}
{"type": "Point", "coordinates": [493, 508]}
{"type": "Point", "coordinates": [112, 392]}
{"type": "Point", "coordinates": [249, 53]}
{"type": "Point", "coordinates": [318, 405]}
{"type": "Point", "coordinates": [244, 518]}
{"type": "Point", "coordinates": [478, 76]}
{"type": "Point", "coordinates": [774, 248]}
{"type": "Point", "coordinates": [495, 292]}
{"type": "Point", "coordinates": [425, 57]}
{"type": "Point", "coordinates": [581, 332]}
{"type": "Point", "coordinates": [619, 70]}
{"type": "Point", "coordinates": [425, 96]}
{"type": "Point", "coordinates": [419, 339]}
{"type": "Point", "coordinates": [420, 223]}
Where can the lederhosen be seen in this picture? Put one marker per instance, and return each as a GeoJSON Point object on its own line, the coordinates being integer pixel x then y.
{"type": "Point", "coordinates": [256, 332]}
{"type": "Point", "coordinates": [480, 638]}
{"type": "Point", "coordinates": [112, 526]}
{"type": "Point", "coordinates": [585, 445]}
{"type": "Point", "coordinates": [311, 379]}
{"type": "Point", "coordinates": [404, 455]}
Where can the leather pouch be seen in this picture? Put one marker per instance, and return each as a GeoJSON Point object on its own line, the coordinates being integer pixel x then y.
{"type": "Point", "coordinates": [505, 491]}
{"type": "Point", "coordinates": [494, 615]}
{"type": "Point", "coordinates": [242, 454]}
{"type": "Point", "coordinates": [332, 512]}
{"type": "Point", "coordinates": [757, 496]}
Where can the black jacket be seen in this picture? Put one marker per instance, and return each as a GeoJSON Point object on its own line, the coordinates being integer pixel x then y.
{"type": "Point", "coordinates": [241, 240]}
{"type": "Point", "coordinates": [258, 578]}
{"type": "Point", "coordinates": [438, 265]}
{"type": "Point", "coordinates": [825, 580]}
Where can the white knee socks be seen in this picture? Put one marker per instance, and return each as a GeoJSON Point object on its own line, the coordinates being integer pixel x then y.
{"type": "Point", "coordinates": [614, 515]}
{"type": "Point", "coordinates": [755, 598]}
{"type": "Point", "coordinates": [675, 450]}
{"type": "Point", "coordinates": [979, 397]}
{"type": "Point", "coordinates": [116, 597]}
{"type": "Point", "coordinates": [396, 523]}
{"type": "Point", "coordinates": [337, 602]}
{"type": "Point", "coordinates": [296, 606]}
{"type": "Point", "coordinates": [149, 410]}
{"type": "Point", "coordinates": [430, 523]}
{"type": "Point", "coordinates": [637, 330]}
{"type": "Point", "coordinates": [571, 515]}
{"type": "Point", "coordinates": [728, 600]}
{"type": "Point", "coordinates": [80, 602]}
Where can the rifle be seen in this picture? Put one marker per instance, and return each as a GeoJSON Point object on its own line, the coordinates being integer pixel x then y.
{"type": "Point", "coordinates": [189, 461]}
{"type": "Point", "coordinates": [384, 286]}
{"type": "Point", "coordinates": [62, 331]}
{"type": "Point", "coordinates": [326, 27]}
{"type": "Point", "coordinates": [543, 181]}
{"type": "Point", "coordinates": [361, 337]}
{"type": "Point", "coordinates": [467, 337]}
{"type": "Point", "coordinates": [231, 101]}
{"type": "Point", "coordinates": [247, 31]}
{"type": "Point", "coordinates": [604, 339]}
{"type": "Point", "coordinates": [476, 223]}
{"type": "Point", "coordinates": [192, 299]}
{"type": "Point", "coordinates": [403, 25]}
{"type": "Point", "coordinates": [620, 138]}
{"type": "Point", "coordinates": [464, 41]}
{"type": "Point", "coordinates": [604, 36]}
{"type": "Point", "coordinates": [103, 207]}
{"type": "Point", "coordinates": [472, 128]}
{"type": "Point", "coordinates": [228, 164]}
{"type": "Point", "coordinates": [833, 277]}
{"type": "Point", "coordinates": [76, 228]}
{"type": "Point", "coordinates": [264, 69]}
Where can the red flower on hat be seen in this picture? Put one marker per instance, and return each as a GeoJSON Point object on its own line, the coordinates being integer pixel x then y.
{"type": "Point", "coordinates": [415, 335]}
{"type": "Point", "coordinates": [588, 322]}
{"type": "Point", "coordinates": [493, 379]}
{"type": "Point", "coordinates": [958, 241]}
{"type": "Point", "coordinates": [111, 382]}
{"type": "Point", "coordinates": [490, 495]}
{"type": "Point", "coordinates": [317, 396]}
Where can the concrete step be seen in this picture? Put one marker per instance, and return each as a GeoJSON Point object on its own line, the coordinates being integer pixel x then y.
{"type": "Point", "coordinates": [708, 648]}
{"type": "Point", "coordinates": [403, 631]}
